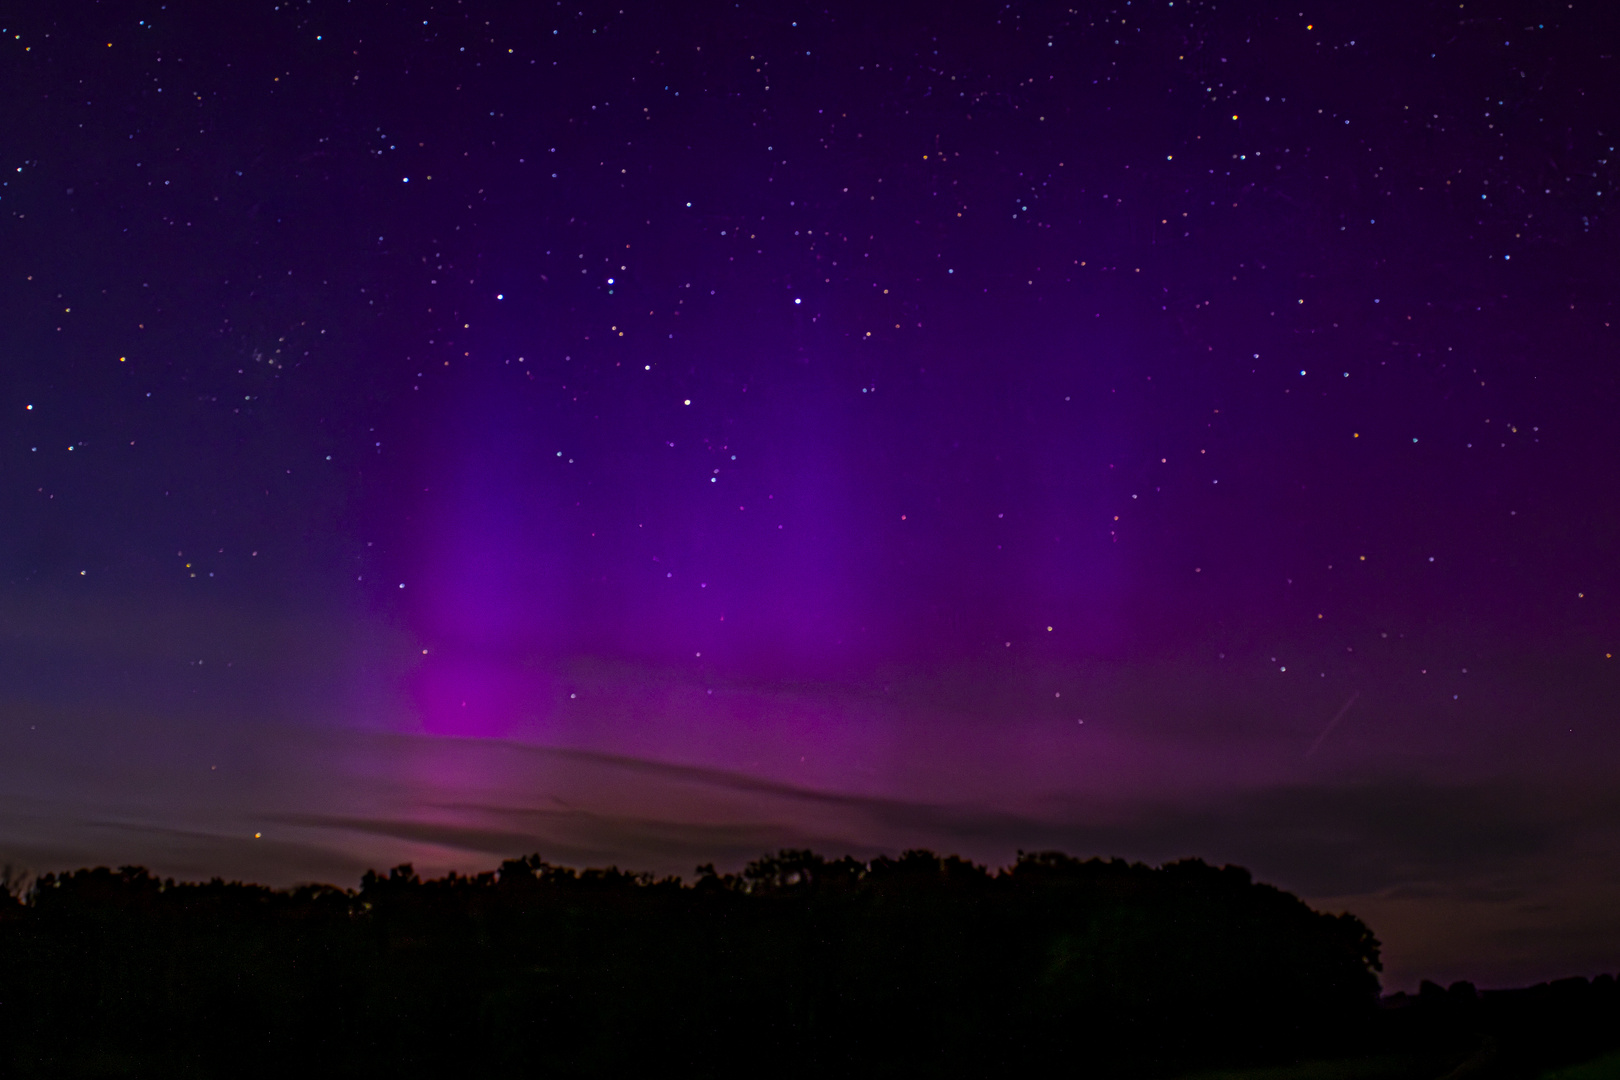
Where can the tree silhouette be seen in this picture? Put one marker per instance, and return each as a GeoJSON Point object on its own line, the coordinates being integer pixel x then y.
{"type": "Point", "coordinates": [916, 963]}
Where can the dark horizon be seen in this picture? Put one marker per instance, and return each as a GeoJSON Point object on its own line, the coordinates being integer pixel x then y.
{"type": "Point", "coordinates": [767, 874]}
{"type": "Point", "coordinates": [920, 963]}
{"type": "Point", "coordinates": [658, 436]}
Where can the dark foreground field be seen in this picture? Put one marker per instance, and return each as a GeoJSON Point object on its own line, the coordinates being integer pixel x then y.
{"type": "Point", "coordinates": [798, 966]}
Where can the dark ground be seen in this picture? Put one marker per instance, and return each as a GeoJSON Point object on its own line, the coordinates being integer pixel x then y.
{"type": "Point", "coordinates": [800, 965]}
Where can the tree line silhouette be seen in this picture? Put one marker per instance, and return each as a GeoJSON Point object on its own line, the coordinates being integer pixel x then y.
{"type": "Point", "coordinates": [798, 965]}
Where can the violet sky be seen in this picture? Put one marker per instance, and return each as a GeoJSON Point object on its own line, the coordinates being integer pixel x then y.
{"type": "Point", "coordinates": [659, 433]}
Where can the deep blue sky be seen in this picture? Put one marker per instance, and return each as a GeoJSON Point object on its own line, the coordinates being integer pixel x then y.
{"type": "Point", "coordinates": [655, 433]}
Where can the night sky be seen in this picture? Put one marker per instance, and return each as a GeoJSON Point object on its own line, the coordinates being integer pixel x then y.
{"type": "Point", "coordinates": [656, 433]}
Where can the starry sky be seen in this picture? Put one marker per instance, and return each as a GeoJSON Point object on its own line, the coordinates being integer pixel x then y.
{"type": "Point", "coordinates": [659, 433]}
